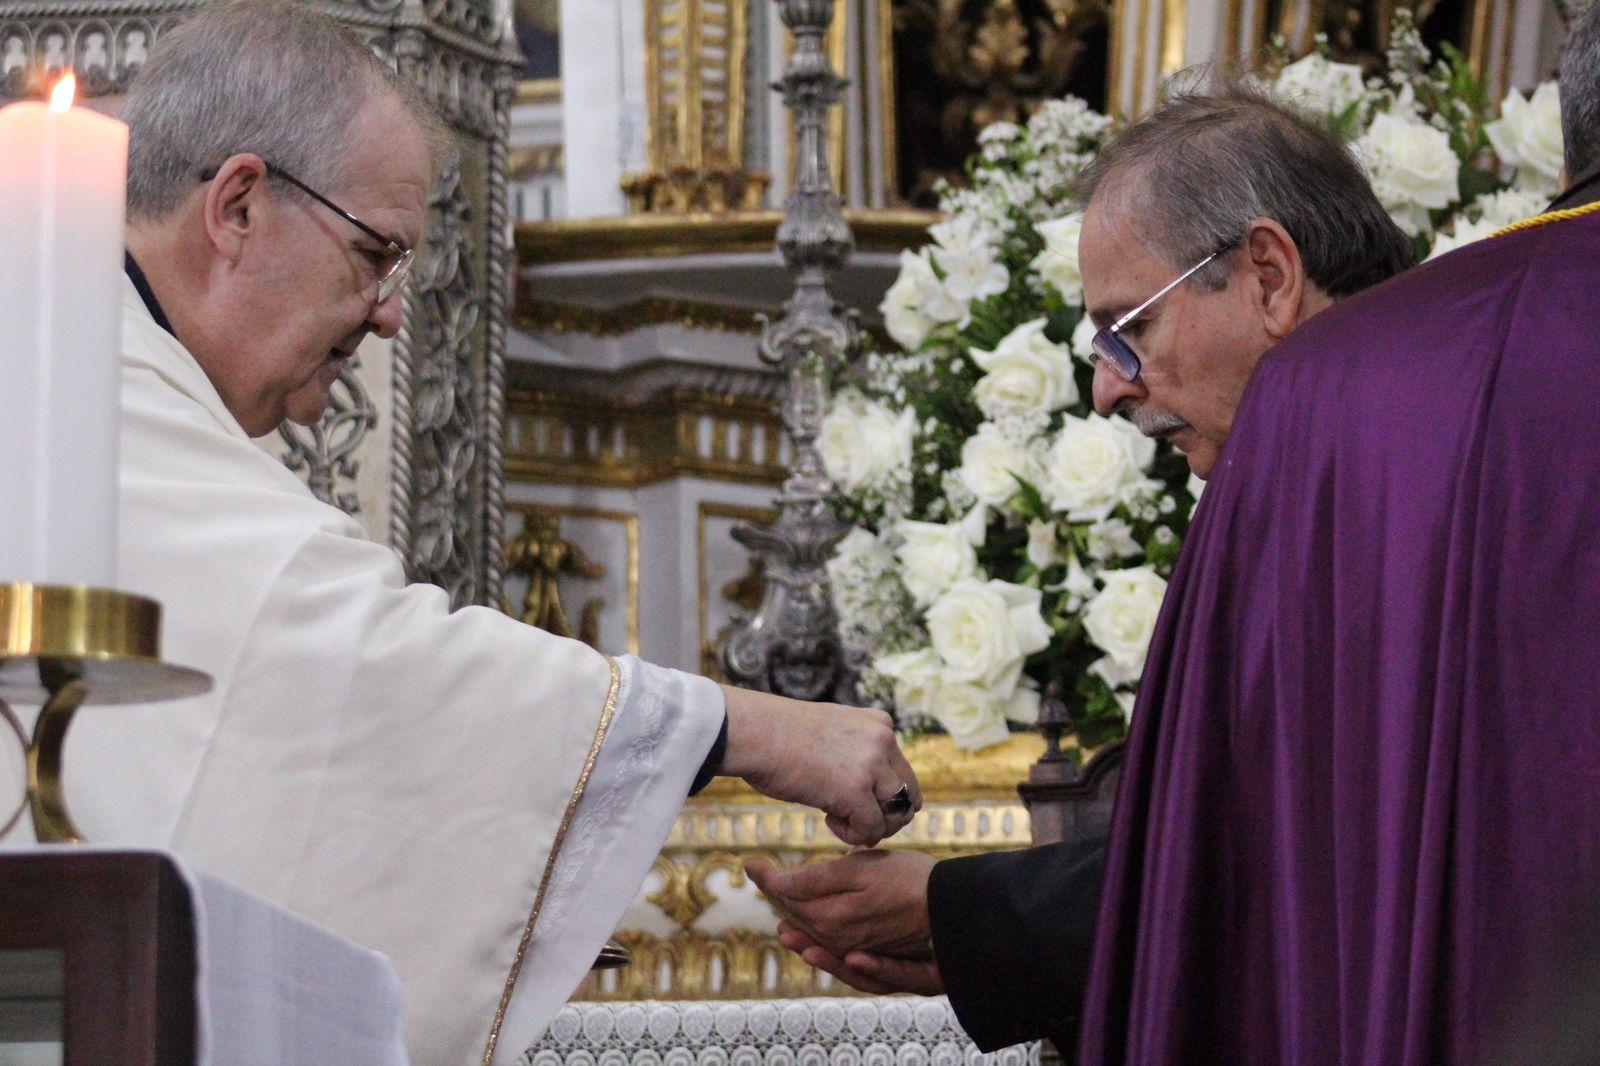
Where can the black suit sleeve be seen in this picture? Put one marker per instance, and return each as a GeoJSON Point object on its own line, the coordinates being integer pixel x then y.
{"type": "Point", "coordinates": [1013, 933]}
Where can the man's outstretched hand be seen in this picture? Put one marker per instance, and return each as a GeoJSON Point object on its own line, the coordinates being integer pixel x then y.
{"type": "Point", "coordinates": [844, 761]}
{"type": "Point", "coordinates": [862, 918]}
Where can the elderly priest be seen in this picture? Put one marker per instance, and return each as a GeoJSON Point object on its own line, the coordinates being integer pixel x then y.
{"type": "Point", "coordinates": [476, 798]}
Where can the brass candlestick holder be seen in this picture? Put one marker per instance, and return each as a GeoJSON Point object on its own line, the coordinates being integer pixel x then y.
{"type": "Point", "coordinates": [66, 647]}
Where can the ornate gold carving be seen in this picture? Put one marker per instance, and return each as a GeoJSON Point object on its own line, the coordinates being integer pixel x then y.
{"type": "Point", "coordinates": [1358, 30]}
{"type": "Point", "coordinates": [738, 964]}
{"type": "Point", "coordinates": [628, 443]}
{"type": "Point", "coordinates": [972, 807]}
{"type": "Point", "coordinates": [990, 61]}
{"type": "Point", "coordinates": [721, 825]}
{"type": "Point", "coordinates": [694, 73]}
{"type": "Point", "coordinates": [667, 236]}
{"type": "Point", "coordinates": [540, 553]}
{"type": "Point", "coordinates": [535, 315]}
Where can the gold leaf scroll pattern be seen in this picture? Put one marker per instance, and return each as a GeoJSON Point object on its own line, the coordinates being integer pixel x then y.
{"type": "Point", "coordinates": [541, 554]}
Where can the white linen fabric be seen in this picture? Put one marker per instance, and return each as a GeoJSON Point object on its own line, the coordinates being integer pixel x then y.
{"type": "Point", "coordinates": [396, 772]}
{"type": "Point", "coordinates": [273, 989]}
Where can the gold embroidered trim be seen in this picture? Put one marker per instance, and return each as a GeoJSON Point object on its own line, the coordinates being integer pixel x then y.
{"type": "Point", "coordinates": [555, 849]}
{"type": "Point", "coordinates": [1547, 218]}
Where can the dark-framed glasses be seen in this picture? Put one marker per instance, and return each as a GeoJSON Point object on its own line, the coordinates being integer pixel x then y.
{"type": "Point", "coordinates": [1108, 343]}
{"type": "Point", "coordinates": [393, 275]}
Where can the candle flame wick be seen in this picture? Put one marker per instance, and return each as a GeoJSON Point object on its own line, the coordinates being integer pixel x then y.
{"type": "Point", "coordinates": [61, 96]}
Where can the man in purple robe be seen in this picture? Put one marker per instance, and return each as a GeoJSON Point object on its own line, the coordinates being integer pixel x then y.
{"type": "Point", "coordinates": [1278, 222]}
{"type": "Point", "coordinates": [1360, 814]}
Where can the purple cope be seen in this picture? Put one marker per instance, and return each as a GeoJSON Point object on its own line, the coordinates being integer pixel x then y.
{"type": "Point", "coordinates": [1359, 820]}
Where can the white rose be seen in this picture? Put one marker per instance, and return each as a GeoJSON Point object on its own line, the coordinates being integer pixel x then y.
{"type": "Point", "coordinates": [1126, 700]}
{"type": "Point", "coordinates": [962, 230]}
{"type": "Point", "coordinates": [988, 461]}
{"type": "Point", "coordinates": [934, 557]}
{"type": "Point", "coordinates": [1025, 370]}
{"type": "Point", "coordinates": [1090, 467]}
{"type": "Point", "coordinates": [972, 273]}
{"type": "Point", "coordinates": [972, 715]}
{"type": "Point", "coordinates": [982, 630]}
{"type": "Point", "coordinates": [1083, 339]}
{"type": "Point", "coordinates": [1120, 620]}
{"type": "Point", "coordinates": [1043, 547]}
{"type": "Point", "coordinates": [863, 441]}
{"type": "Point", "coordinates": [1510, 205]}
{"type": "Point", "coordinates": [1058, 263]}
{"type": "Point", "coordinates": [1140, 447]}
{"type": "Point", "coordinates": [1527, 135]}
{"type": "Point", "coordinates": [1462, 232]}
{"type": "Point", "coordinates": [1112, 538]}
{"type": "Point", "coordinates": [902, 305]}
{"type": "Point", "coordinates": [860, 550]}
{"type": "Point", "coordinates": [1412, 168]}
{"type": "Point", "coordinates": [1320, 86]}
{"type": "Point", "coordinates": [916, 678]}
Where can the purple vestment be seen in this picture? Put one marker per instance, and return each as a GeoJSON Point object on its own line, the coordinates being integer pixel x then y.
{"type": "Point", "coordinates": [1360, 815]}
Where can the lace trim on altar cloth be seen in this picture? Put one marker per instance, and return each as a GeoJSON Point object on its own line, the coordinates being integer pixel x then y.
{"type": "Point", "coordinates": [868, 1031]}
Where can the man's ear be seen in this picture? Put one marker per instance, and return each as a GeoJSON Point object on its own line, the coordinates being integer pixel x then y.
{"type": "Point", "coordinates": [231, 202]}
{"type": "Point", "coordinates": [1279, 277]}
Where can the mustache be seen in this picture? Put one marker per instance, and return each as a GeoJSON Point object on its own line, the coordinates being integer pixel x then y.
{"type": "Point", "coordinates": [1153, 423]}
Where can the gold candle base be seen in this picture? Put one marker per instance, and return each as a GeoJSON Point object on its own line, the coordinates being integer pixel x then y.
{"type": "Point", "coordinates": [67, 647]}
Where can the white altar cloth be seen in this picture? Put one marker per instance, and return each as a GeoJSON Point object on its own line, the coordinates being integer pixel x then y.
{"type": "Point", "coordinates": [273, 989]}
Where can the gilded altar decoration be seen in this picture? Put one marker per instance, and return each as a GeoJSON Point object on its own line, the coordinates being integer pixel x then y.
{"type": "Point", "coordinates": [695, 86]}
{"type": "Point", "coordinates": [543, 556]}
{"type": "Point", "coordinates": [701, 931]}
{"type": "Point", "coordinates": [991, 61]}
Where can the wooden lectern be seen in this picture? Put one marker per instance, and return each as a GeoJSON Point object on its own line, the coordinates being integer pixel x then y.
{"type": "Point", "coordinates": [97, 958]}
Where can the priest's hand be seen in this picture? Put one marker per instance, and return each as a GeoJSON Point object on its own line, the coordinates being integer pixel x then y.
{"type": "Point", "coordinates": [841, 760]}
{"type": "Point", "coordinates": [869, 903]}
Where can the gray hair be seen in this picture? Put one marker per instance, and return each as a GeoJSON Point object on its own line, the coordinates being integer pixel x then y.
{"type": "Point", "coordinates": [1199, 168]}
{"type": "Point", "coordinates": [271, 77]}
{"type": "Point", "coordinates": [1580, 93]}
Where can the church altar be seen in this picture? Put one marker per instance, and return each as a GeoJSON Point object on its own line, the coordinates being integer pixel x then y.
{"type": "Point", "coordinates": [575, 418]}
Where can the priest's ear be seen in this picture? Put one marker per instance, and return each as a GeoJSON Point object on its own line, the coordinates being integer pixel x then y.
{"type": "Point", "coordinates": [1276, 275]}
{"type": "Point", "coordinates": [231, 199]}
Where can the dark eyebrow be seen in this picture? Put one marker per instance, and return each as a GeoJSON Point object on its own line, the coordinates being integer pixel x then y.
{"type": "Point", "coordinates": [1104, 316]}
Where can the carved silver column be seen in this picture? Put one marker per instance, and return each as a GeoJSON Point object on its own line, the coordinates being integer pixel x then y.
{"type": "Point", "coordinates": [446, 386]}
{"type": "Point", "coordinates": [791, 644]}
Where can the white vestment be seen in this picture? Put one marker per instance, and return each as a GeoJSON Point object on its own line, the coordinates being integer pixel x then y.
{"type": "Point", "coordinates": [423, 782]}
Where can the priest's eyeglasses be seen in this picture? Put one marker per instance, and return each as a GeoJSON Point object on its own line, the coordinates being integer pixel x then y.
{"type": "Point", "coordinates": [396, 265]}
{"type": "Point", "coordinates": [1118, 353]}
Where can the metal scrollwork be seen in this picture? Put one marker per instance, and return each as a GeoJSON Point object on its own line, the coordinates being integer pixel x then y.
{"type": "Point", "coordinates": [326, 452]}
{"type": "Point", "coordinates": [791, 644]}
{"type": "Point", "coordinates": [445, 430]}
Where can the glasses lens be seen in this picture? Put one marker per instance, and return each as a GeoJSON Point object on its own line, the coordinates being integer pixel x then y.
{"type": "Point", "coordinates": [395, 279]}
{"type": "Point", "coordinates": [1117, 355]}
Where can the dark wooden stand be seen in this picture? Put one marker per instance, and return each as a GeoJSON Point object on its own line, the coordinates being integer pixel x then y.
{"type": "Point", "coordinates": [104, 946]}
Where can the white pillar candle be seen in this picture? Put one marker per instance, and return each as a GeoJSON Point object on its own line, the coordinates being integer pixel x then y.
{"type": "Point", "coordinates": [62, 177]}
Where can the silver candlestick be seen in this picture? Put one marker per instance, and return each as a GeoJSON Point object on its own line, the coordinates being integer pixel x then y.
{"type": "Point", "coordinates": [791, 644]}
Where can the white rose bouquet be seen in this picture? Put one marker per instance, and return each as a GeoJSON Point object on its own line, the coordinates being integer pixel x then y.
{"type": "Point", "coordinates": [1425, 131]}
{"type": "Point", "coordinates": [1008, 541]}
